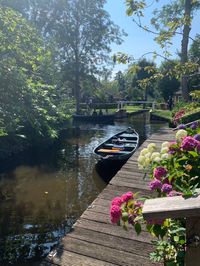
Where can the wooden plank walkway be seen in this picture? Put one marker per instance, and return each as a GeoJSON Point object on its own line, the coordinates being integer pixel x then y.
{"type": "Point", "coordinates": [94, 241]}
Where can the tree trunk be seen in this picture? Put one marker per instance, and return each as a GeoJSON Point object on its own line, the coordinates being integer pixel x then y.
{"type": "Point", "coordinates": [77, 62]}
{"type": "Point", "coordinates": [184, 47]}
{"type": "Point", "coordinates": [77, 90]}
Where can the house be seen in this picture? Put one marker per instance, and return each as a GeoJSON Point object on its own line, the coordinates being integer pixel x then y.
{"type": "Point", "coordinates": [177, 96]}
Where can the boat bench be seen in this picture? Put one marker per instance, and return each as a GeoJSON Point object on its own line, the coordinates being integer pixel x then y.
{"type": "Point", "coordinates": [129, 141]}
{"type": "Point", "coordinates": [127, 136]}
{"type": "Point", "coordinates": [111, 152]}
{"type": "Point", "coordinates": [126, 145]}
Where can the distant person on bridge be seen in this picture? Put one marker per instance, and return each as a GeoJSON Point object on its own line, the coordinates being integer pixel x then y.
{"type": "Point", "coordinates": [170, 103]}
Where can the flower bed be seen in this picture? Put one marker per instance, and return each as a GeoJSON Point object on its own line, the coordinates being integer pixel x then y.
{"type": "Point", "coordinates": [186, 113]}
{"type": "Point", "coordinates": [174, 170]}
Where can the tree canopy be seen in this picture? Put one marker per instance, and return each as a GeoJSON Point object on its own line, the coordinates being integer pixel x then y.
{"type": "Point", "coordinates": [174, 18]}
{"type": "Point", "coordinates": [81, 31]}
{"type": "Point", "coordinates": [50, 52]}
{"type": "Point", "coordinates": [25, 99]}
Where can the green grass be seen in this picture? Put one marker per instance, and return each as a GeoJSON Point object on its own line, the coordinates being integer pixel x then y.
{"type": "Point", "coordinates": [163, 113]}
{"type": "Point", "coordinates": [130, 109]}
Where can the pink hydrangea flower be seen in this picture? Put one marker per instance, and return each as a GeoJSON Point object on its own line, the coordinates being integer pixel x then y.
{"type": "Point", "coordinates": [159, 172]}
{"type": "Point", "coordinates": [139, 204]}
{"type": "Point", "coordinates": [173, 148]}
{"type": "Point", "coordinates": [155, 184]}
{"type": "Point", "coordinates": [115, 214]}
{"type": "Point", "coordinates": [116, 201]}
{"type": "Point", "coordinates": [189, 143]}
{"type": "Point", "coordinates": [127, 196]}
{"type": "Point", "coordinates": [174, 193]}
{"type": "Point", "coordinates": [166, 181]}
{"type": "Point", "coordinates": [166, 188]}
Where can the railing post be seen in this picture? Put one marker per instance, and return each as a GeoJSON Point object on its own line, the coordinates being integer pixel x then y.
{"type": "Point", "coordinates": [193, 241]}
{"type": "Point", "coordinates": [179, 207]}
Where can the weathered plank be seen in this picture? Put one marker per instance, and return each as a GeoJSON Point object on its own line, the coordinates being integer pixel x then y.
{"type": "Point", "coordinates": [94, 241]}
{"type": "Point", "coordinates": [133, 185]}
{"type": "Point", "coordinates": [116, 242]}
{"type": "Point", "coordinates": [112, 191]}
{"type": "Point", "coordinates": [68, 258]}
{"type": "Point", "coordinates": [172, 207]}
{"type": "Point", "coordinates": [113, 230]}
{"type": "Point", "coordinates": [103, 253]}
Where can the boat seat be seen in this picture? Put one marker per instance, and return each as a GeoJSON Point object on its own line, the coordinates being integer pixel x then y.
{"type": "Point", "coordinates": [130, 141]}
{"type": "Point", "coordinates": [126, 145]}
{"type": "Point", "coordinates": [111, 151]}
{"type": "Point", "coordinates": [126, 136]}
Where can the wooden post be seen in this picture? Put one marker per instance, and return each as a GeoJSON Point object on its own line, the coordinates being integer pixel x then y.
{"type": "Point", "coordinates": [179, 207]}
{"type": "Point", "coordinates": [193, 241]}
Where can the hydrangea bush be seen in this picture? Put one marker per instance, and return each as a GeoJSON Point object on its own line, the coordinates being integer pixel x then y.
{"type": "Point", "coordinates": [174, 171]}
{"type": "Point", "coordinates": [183, 109]}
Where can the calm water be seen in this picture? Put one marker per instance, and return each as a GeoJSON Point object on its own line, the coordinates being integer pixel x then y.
{"type": "Point", "coordinates": [42, 196]}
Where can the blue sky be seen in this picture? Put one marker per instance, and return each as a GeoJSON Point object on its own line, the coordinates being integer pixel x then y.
{"type": "Point", "coordinates": [139, 42]}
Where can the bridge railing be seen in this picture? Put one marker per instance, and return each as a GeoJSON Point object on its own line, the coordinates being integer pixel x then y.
{"type": "Point", "coordinates": [179, 207]}
{"type": "Point", "coordinates": [148, 104]}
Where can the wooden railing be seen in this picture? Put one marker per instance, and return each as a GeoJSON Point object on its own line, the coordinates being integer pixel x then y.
{"type": "Point", "coordinates": [179, 207]}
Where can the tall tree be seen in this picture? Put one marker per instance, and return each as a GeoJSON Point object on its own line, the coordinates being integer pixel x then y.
{"type": "Point", "coordinates": [172, 19]}
{"type": "Point", "coordinates": [168, 85]}
{"type": "Point", "coordinates": [119, 77]}
{"type": "Point", "coordinates": [82, 31]}
{"type": "Point", "coordinates": [25, 96]}
{"type": "Point", "coordinates": [194, 56]}
{"type": "Point", "coordinates": [141, 73]}
{"type": "Point", "coordinates": [194, 51]}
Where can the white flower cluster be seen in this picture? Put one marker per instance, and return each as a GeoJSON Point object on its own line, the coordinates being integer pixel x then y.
{"type": "Point", "coordinates": [180, 134]}
{"type": "Point", "coordinates": [150, 154]}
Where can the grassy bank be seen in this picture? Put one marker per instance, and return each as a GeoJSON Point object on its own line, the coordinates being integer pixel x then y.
{"type": "Point", "coordinates": [166, 114]}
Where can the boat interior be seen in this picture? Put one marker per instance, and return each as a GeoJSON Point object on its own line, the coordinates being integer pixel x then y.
{"type": "Point", "coordinates": [120, 144]}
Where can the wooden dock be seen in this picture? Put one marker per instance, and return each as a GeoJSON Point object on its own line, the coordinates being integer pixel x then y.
{"type": "Point", "coordinates": [94, 241]}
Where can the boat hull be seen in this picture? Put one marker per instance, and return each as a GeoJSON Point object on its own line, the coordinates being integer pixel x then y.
{"type": "Point", "coordinates": [119, 147]}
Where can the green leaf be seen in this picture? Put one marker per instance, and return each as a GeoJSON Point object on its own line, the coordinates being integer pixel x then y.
{"type": "Point", "coordinates": [125, 216]}
{"type": "Point", "coordinates": [193, 153]}
{"type": "Point", "coordinates": [138, 228]}
{"type": "Point", "coordinates": [176, 238]}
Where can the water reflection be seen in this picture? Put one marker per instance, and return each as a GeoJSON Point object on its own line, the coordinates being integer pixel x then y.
{"type": "Point", "coordinates": [43, 196]}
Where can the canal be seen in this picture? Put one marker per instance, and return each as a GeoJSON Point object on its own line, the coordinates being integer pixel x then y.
{"type": "Point", "coordinates": [45, 192]}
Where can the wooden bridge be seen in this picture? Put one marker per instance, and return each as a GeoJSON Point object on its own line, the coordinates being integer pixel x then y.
{"type": "Point", "coordinates": [94, 241]}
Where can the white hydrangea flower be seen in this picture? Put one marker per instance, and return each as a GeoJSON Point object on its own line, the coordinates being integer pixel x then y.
{"type": "Point", "coordinates": [157, 159]}
{"type": "Point", "coordinates": [181, 133]}
{"type": "Point", "coordinates": [144, 151]}
{"type": "Point", "coordinates": [141, 159]}
{"type": "Point", "coordinates": [165, 144]}
{"type": "Point", "coordinates": [166, 156]}
{"type": "Point", "coordinates": [164, 150]}
{"type": "Point", "coordinates": [148, 155]}
{"type": "Point", "coordinates": [154, 155]}
{"type": "Point", "coordinates": [147, 162]}
{"type": "Point", "coordinates": [151, 147]}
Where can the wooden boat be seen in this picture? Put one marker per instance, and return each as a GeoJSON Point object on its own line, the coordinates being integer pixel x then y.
{"type": "Point", "coordinates": [119, 147]}
{"type": "Point", "coordinates": [105, 118]}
